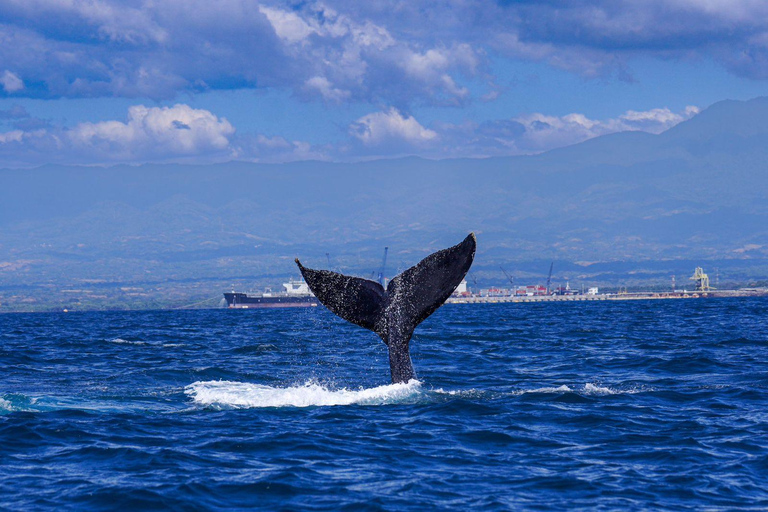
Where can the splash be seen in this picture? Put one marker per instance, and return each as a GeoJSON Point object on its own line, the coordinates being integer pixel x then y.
{"type": "Point", "coordinates": [591, 389]}
{"type": "Point", "coordinates": [242, 395]}
{"type": "Point", "coordinates": [17, 402]}
{"type": "Point", "coordinates": [462, 393]}
{"type": "Point", "coordinates": [5, 405]}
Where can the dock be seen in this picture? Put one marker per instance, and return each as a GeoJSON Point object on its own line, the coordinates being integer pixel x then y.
{"type": "Point", "coordinates": [480, 299]}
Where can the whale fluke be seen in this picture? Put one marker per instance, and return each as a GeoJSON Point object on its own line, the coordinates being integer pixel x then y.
{"type": "Point", "coordinates": [409, 299]}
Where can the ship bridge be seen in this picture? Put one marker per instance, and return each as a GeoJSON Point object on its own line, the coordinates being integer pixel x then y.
{"type": "Point", "coordinates": [297, 287]}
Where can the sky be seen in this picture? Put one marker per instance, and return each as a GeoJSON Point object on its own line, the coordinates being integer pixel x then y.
{"type": "Point", "coordinates": [103, 82]}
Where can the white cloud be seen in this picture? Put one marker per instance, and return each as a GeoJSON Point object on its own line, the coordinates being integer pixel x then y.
{"type": "Point", "coordinates": [11, 82]}
{"type": "Point", "coordinates": [287, 25]}
{"type": "Point", "coordinates": [182, 133]}
{"type": "Point", "coordinates": [261, 148]}
{"type": "Point", "coordinates": [538, 132]}
{"type": "Point", "coordinates": [430, 63]}
{"type": "Point", "coordinates": [74, 48]}
{"type": "Point", "coordinates": [391, 53]}
{"type": "Point", "coordinates": [432, 68]}
{"type": "Point", "coordinates": [177, 133]}
{"type": "Point", "coordinates": [348, 58]}
{"type": "Point", "coordinates": [12, 136]}
{"type": "Point", "coordinates": [391, 126]}
{"type": "Point", "coordinates": [655, 120]}
{"type": "Point", "coordinates": [543, 132]}
{"type": "Point", "coordinates": [177, 130]}
{"type": "Point", "coordinates": [326, 89]}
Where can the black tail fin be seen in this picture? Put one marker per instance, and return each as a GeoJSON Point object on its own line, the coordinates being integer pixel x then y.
{"type": "Point", "coordinates": [395, 312]}
{"type": "Point", "coordinates": [356, 300]}
{"type": "Point", "coordinates": [425, 287]}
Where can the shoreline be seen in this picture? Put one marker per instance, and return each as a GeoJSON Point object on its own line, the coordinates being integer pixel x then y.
{"type": "Point", "coordinates": [603, 297]}
{"type": "Point", "coordinates": [610, 297]}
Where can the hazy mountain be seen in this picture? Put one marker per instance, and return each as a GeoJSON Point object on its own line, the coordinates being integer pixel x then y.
{"type": "Point", "coordinates": [694, 193]}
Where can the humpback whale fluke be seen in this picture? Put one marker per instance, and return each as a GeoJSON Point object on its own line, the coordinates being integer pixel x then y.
{"type": "Point", "coordinates": [394, 313]}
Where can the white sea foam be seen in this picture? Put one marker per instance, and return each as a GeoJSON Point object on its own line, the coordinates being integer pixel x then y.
{"type": "Point", "coordinates": [559, 389]}
{"type": "Point", "coordinates": [591, 389]}
{"type": "Point", "coordinates": [246, 395]}
{"type": "Point", "coordinates": [127, 342]}
{"type": "Point", "coordinates": [464, 393]}
{"type": "Point", "coordinates": [588, 389]}
{"type": "Point", "coordinates": [16, 403]}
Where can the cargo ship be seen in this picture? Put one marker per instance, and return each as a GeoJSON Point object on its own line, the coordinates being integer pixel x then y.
{"type": "Point", "coordinates": [295, 295]}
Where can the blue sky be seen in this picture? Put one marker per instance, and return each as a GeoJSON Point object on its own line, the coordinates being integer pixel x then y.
{"type": "Point", "coordinates": [108, 81]}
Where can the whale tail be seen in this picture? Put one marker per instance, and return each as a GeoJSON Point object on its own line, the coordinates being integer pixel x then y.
{"type": "Point", "coordinates": [409, 299]}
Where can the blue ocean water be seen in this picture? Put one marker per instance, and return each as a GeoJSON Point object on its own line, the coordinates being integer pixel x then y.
{"type": "Point", "coordinates": [622, 405]}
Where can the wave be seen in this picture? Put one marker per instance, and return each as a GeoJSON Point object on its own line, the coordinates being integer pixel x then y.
{"type": "Point", "coordinates": [121, 341]}
{"type": "Point", "coordinates": [127, 342]}
{"type": "Point", "coordinates": [592, 389]}
{"type": "Point", "coordinates": [462, 393]}
{"type": "Point", "coordinates": [559, 389]}
{"type": "Point", "coordinates": [588, 389]}
{"type": "Point", "coordinates": [18, 402]}
{"type": "Point", "coordinates": [243, 395]}
{"type": "Point", "coordinates": [5, 405]}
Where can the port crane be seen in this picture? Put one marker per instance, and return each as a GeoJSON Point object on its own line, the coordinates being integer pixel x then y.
{"type": "Point", "coordinates": [549, 277]}
{"type": "Point", "coordinates": [474, 281]}
{"type": "Point", "coordinates": [380, 277]}
{"type": "Point", "coordinates": [509, 277]}
{"type": "Point", "coordinates": [701, 279]}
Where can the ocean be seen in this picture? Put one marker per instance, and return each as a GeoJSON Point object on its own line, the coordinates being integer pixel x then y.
{"type": "Point", "coordinates": [636, 405]}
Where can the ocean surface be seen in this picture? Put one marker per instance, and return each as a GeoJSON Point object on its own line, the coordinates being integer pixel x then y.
{"type": "Point", "coordinates": [603, 406]}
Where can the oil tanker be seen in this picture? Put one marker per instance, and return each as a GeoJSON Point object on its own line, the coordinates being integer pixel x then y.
{"type": "Point", "coordinates": [295, 295]}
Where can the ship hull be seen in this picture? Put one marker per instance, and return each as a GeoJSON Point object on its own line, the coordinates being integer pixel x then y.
{"type": "Point", "coordinates": [237, 300]}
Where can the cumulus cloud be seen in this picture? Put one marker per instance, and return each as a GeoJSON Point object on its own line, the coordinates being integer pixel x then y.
{"type": "Point", "coordinates": [12, 136]}
{"type": "Point", "coordinates": [148, 134]}
{"type": "Point", "coordinates": [288, 26]}
{"type": "Point", "coordinates": [184, 134]}
{"type": "Point", "coordinates": [326, 89]}
{"type": "Point", "coordinates": [149, 131]}
{"type": "Point", "coordinates": [348, 57]}
{"type": "Point", "coordinates": [11, 82]}
{"type": "Point", "coordinates": [390, 132]}
{"type": "Point", "coordinates": [115, 48]}
{"type": "Point", "coordinates": [392, 53]}
{"type": "Point", "coordinates": [177, 133]}
{"type": "Point", "coordinates": [655, 120]}
{"type": "Point", "coordinates": [391, 128]}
